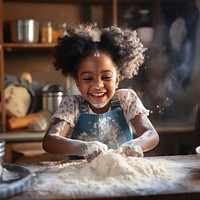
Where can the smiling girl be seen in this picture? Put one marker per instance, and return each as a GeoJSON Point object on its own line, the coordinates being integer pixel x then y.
{"type": "Point", "coordinates": [102, 117]}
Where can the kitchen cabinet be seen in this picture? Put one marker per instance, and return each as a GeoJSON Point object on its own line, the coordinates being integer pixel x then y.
{"type": "Point", "coordinates": [37, 57]}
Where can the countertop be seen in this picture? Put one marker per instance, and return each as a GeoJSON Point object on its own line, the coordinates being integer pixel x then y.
{"type": "Point", "coordinates": [22, 136]}
{"type": "Point", "coordinates": [187, 187]}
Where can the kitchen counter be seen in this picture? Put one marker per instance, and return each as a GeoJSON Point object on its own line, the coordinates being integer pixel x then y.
{"type": "Point", "coordinates": [22, 136]}
{"type": "Point", "coordinates": [18, 141]}
{"type": "Point", "coordinates": [185, 188]}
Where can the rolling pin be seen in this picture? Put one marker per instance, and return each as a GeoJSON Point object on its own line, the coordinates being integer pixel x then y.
{"type": "Point", "coordinates": [23, 122]}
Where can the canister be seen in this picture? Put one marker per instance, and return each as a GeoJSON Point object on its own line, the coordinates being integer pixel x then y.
{"type": "Point", "coordinates": [52, 96]}
{"type": "Point", "coordinates": [24, 30]}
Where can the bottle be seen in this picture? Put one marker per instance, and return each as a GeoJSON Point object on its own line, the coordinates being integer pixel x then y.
{"type": "Point", "coordinates": [2, 152]}
{"type": "Point", "coordinates": [47, 33]}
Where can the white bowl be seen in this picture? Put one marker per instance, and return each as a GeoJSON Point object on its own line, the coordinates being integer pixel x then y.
{"type": "Point", "coordinates": [198, 151]}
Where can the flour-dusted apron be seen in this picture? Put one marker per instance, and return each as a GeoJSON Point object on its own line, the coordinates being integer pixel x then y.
{"type": "Point", "coordinates": [110, 128]}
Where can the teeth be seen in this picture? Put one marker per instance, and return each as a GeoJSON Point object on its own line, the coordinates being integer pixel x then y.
{"type": "Point", "coordinates": [98, 94]}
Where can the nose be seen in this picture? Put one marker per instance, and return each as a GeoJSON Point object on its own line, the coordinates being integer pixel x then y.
{"type": "Point", "coordinates": [98, 84]}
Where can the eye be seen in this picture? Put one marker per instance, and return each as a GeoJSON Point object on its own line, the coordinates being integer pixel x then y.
{"type": "Point", "coordinates": [106, 77]}
{"type": "Point", "coordinates": [87, 79]}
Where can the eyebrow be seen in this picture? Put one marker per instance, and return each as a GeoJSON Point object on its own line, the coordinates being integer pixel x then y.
{"type": "Point", "coordinates": [90, 72]}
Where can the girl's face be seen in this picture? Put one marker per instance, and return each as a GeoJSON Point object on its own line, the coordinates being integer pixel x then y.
{"type": "Point", "coordinates": [97, 79]}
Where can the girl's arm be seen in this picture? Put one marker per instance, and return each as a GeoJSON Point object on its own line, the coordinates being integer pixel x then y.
{"type": "Point", "coordinates": [147, 137]}
{"type": "Point", "coordinates": [55, 142]}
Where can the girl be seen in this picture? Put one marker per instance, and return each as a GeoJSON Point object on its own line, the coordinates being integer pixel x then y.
{"type": "Point", "coordinates": [101, 117]}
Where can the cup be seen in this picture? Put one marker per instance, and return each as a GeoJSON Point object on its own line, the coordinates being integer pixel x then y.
{"type": "Point", "coordinates": [2, 153]}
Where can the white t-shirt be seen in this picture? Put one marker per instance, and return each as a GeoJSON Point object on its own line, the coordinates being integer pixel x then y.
{"type": "Point", "coordinates": [68, 109]}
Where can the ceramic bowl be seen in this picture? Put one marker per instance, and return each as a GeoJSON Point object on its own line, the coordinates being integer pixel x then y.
{"type": "Point", "coordinates": [198, 151]}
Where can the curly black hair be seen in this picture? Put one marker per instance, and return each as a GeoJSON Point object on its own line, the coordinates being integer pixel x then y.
{"type": "Point", "coordinates": [122, 45]}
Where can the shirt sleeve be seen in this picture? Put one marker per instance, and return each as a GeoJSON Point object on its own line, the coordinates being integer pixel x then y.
{"type": "Point", "coordinates": [130, 103]}
{"type": "Point", "coordinates": [68, 109]}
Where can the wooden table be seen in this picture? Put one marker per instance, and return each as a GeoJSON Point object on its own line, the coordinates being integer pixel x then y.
{"type": "Point", "coordinates": [188, 188]}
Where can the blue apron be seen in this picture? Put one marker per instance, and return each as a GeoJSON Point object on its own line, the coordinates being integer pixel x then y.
{"type": "Point", "coordinates": [110, 128]}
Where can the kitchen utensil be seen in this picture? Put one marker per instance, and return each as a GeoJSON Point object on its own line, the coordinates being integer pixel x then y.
{"type": "Point", "coordinates": [198, 151]}
{"type": "Point", "coordinates": [26, 30]}
{"type": "Point", "coordinates": [51, 97]}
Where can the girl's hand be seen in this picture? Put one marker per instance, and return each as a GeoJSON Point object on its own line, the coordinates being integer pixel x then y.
{"type": "Point", "coordinates": [93, 149]}
{"type": "Point", "coordinates": [131, 150]}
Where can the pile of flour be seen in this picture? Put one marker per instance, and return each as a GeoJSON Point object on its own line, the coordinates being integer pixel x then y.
{"type": "Point", "coordinates": [110, 174]}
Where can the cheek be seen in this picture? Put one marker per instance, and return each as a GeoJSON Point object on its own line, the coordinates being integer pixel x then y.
{"type": "Point", "coordinates": [83, 87]}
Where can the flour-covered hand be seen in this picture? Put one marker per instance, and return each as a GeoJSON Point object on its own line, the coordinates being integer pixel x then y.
{"type": "Point", "coordinates": [131, 150]}
{"type": "Point", "coordinates": [94, 149]}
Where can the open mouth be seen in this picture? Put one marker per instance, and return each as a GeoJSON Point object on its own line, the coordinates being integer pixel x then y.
{"type": "Point", "coordinates": [98, 95]}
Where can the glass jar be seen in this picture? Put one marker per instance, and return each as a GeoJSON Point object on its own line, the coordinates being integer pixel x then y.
{"type": "Point", "coordinates": [2, 153]}
{"type": "Point", "coordinates": [62, 29]}
{"type": "Point", "coordinates": [46, 33]}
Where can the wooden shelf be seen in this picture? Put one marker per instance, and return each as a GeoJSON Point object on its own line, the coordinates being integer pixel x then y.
{"type": "Point", "coordinates": [62, 1]}
{"type": "Point", "coordinates": [29, 45]}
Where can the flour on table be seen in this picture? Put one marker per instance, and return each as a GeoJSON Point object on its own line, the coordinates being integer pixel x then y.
{"type": "Point", "coordinates": [110, 174]}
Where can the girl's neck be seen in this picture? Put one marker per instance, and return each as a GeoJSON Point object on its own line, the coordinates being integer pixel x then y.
{"type": "Point", "coordinates": [100, 110]}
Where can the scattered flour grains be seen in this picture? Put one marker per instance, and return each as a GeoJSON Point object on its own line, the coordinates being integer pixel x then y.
{"type": "Point", "coordinates": [110, 174]}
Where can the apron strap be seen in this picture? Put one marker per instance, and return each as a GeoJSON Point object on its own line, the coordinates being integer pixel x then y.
{"type": "Point", "coordinates": [84, 107]}
{"type": "Point", "coordinates": [115, 104]}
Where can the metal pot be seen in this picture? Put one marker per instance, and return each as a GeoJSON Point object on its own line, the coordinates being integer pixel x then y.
{"type": "Point", "coordinates": [26, 30]}
{"type": "Point", "coordinates": [52, 95]}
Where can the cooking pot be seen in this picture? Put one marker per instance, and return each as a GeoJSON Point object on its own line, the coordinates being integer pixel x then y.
{"type": "Point", "coordinates": [52, 95]}
{"type": "Point", "coordinates": [26, 30]}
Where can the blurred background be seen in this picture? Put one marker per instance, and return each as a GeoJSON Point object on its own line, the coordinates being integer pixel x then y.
{"type": "Point", "coordinates": [167, 83]}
